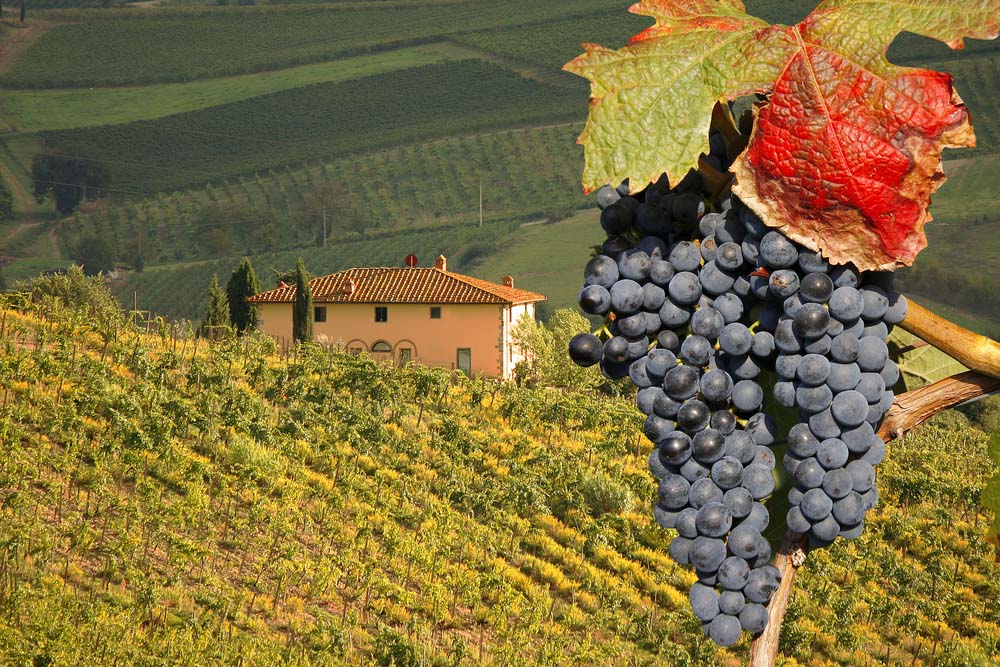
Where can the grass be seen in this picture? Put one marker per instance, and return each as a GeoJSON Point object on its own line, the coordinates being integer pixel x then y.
{"type": "Point", "coordinates": [184, 45]}
{"type": "Point", "coordinates": [319, 121]}
{"type": "Point", "coordinates": [547, 258]}
{"type": "Point", "coordinates": [33, 110]}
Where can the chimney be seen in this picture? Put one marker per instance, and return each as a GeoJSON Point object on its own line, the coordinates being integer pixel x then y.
{"type": "Point", "coordinates": [282, 284]}
{"type": "Point", "coordinates": [508, 281]}
{"type": "Point", "coordinates": [349, 287]}
{"type": "Point", "coordinates": [441, 263]}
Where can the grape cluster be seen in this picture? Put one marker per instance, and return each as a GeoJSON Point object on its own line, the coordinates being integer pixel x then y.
{"type": "Point", "coordinates": [830, 326]}
{"type": "Point", "coordinates": [679, 332]}
{"type": "Point", "coordinates": [703, 307]}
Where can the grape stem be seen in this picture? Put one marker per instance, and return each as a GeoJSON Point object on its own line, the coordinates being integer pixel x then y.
{"type": "Point", "coordinates": [908, 410]}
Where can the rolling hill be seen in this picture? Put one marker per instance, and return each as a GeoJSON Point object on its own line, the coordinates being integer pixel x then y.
{"type": "Point", "coordinates": [362, 117]}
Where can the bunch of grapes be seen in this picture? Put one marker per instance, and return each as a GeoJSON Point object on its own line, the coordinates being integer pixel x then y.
{"type": "Point", "coordinates": [705, 305]}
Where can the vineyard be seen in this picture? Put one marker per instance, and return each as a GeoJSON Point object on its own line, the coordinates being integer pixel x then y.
{"type": "Point", "coordinates": [525, 174]}
{"type": "Point", "coordinates": [312, 122]}
{"type": "Point", "coordinates": [187, 44]}
{"type": "Point", "coordinates": [218, 504]}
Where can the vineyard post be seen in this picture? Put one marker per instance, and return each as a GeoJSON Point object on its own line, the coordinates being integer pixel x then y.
{"type": "Point", "coordinates": [979, 353]}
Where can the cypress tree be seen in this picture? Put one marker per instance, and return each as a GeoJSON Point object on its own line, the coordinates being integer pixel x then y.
{"type": "Point", "coordinates": [242, 285]}
{"type": "Point", "coordinates": [22, 11]}
{"type": "Point", "coordinates": [217, 312]}
{"type": "Point", "coordinates": [302, 310]}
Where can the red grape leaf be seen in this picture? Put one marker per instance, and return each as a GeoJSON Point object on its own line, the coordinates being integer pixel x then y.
{"type": "Point", "coordinates": [651, 102]}
{"type": "Point", "coordinates": [847, 151]}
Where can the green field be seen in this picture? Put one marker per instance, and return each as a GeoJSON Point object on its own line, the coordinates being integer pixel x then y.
{"type": "Point", "coordinates": [183, 45]}
{"type": "Point", "coordinates": [316, 122]}
{"type": "Point", "coordinates": [547, 258]}
{"type": "Point", "coordinates": [33, 110]}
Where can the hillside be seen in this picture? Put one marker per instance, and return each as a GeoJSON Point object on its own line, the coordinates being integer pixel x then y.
{"type": "Point", "coordinates": [167, 499]}
{"type": "Point", "coordinates": [369, 118]}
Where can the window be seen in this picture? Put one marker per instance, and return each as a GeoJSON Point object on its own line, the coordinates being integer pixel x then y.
{"type": "Point", "coordinates": [435, 312]}
{"type": "Point", "coordinates": [355, 351]}
{"type": "Point", "coordinates": [319, 314]}
{"type": "Point", "coordinates": [465, 360]}
{"type": "Point", "coordinates": [381, 314]}
{"type": "Point", "coordinates": [381, 346]}
{"type": "Point", "coordinates": [405, 356]}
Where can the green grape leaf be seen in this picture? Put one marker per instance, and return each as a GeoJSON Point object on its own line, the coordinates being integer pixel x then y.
{"type": "Point", "coordinates": [990, 498]}
{"type": "Point", "coordinates": [651, 101]}
{"type": "Point", "coordinates": [920, 364]}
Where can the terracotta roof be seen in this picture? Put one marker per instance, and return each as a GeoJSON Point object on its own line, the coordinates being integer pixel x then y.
{"type": "Point", "coordinates": [401, 285]}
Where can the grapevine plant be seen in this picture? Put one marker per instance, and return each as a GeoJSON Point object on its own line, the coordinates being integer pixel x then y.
{"type": "Point", "coordinates": [746, 280]}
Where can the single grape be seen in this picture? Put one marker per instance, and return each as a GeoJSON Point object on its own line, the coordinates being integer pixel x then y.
{"type": "Point", "coordinates": [594, 299]}
{"type": "Point", "coordinates": [681, 382]}
{"type": "Point", "coordinates": [796, 521]}
{"type": "Point", "coordinates": [674, 446]}
{"type": "Point", "coordinates": [761, 585]}
{"type": "Point", "coordinates": [731, 602]}
{"type": "Point", "coordinates": [811, 321]}
{"type": "Point", "coordinates": [685, 256]}
{"type": "Point", "coordinates": [616, 349]}
{"type": "Point", "coordinates": [896, 312]}
{"type": "Point", "coordinates": [707, 553]}
{"type": "Point", "coordinates": [704, 602]}
{"type": "Point", "coordinates": [872, 354]}
{"type": "Point", "coordinates": [762, 346]}
{"type": "Point", "coordinates": [753, 618]}
{"type": "Point", "coordinates": [703, 492]}
{"type": "Point", "coordinates": [826, 530]}
{"type": "Point", "coordinates": [876, 302]}
{"type": "Point", "coordinates": [735, 339]}
{"type": "Point", "coordinates": [809, 474]}
{"type": "Point", "coordinates": [812, 400]}
{"type": "Point", "coordinates": [816, 505]}
{"type": "Point", "coordinates": [696, 350]}
{"type": "Point", "coordinates": [801, 441]}
{"type": "Point", "coordinates": [714, 280]}
{"type": "Point", "coordinates": [844, 377]}
{"type": "Point", "coordinates": [849, 510]}
{"type": "Point", "coordinates": [674, 316]}
{"type": "Point", "coordinates": [707, 322]}
{"type": "Point", "coordinates": [863, 475]}
{"type": "Point", "coordinates": [585, 349]}
{"type": "Point", "coordinates": [777, 251]}
{"type": "Point", "coordinates": [832, 453]}
{"type": "Point", "coordinates": [850, 408]}
{"type": "Point", "coordinates": [837, 483]}
{"type": "Point", "coordinates": [693, 415]}
{"type": "Point", "coordinates": [673, 492]}
{"type": "Point", "coordinates": [816, 288]}
{"type": "Point", "coordinates": [725, 630]}
{"type": "Point", "coordinates": [758, 480]}
{"type": "Point", "coordinates": [740, 446]}
{"type": "Point", "coordinates": [846, 304]}
{"type": "Point", "coordinates": [738, 501]}
{"type": "Point", "coordinates": [747, 396]}
{"type": "Point", "coordinates": [858, 439]}
{"type": "Point", "coordinates": [733, 573]}
{"type": "Point", "coordinates": [729, 256]}
{"type": "Point", "coordinates": [708, 446]}
{"type": "Point", "coordinates": [626, 297]}
{"type": "Point", "coordinates": [716, 386]}
{"type": "Point", "coordinates": [724, 422]}
{"type": "Point", "coordinates": [601, 270]}
{"type": "Point", "coordinates": [783, 283]}
{"type": "Point", "coordinates": [727, 472]}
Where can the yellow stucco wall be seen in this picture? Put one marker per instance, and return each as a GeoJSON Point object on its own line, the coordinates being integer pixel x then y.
{"type": "Point", "coordinates": [485, 329]}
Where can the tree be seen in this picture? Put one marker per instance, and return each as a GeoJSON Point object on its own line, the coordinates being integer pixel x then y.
{"type": "Point", "coordinates": [242, 285]}
{"type": "Point", "coordinates": [6, 202]}
{"type": "Point", "coordinates": [70, 180]}
{"type": "Point", "coordinates": [217, 312]}
{"type": "Point", "coordinates": [302, 310]}
{"type": "Point", "coordinates": [23, 13]}
{"type": "Point", "coordinates": [74, 289]}
{"type": "Point", "coordinates": [545, 347]}
{"type": "Point", "coordinates": [95, 254]}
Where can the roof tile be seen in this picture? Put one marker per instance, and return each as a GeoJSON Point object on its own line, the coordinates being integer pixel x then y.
{"type": "Point", "coordinates": [402, 285]}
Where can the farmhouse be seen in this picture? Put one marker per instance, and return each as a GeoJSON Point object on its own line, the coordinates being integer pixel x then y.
{"type": "Point", "coordinates": [426, 315]}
